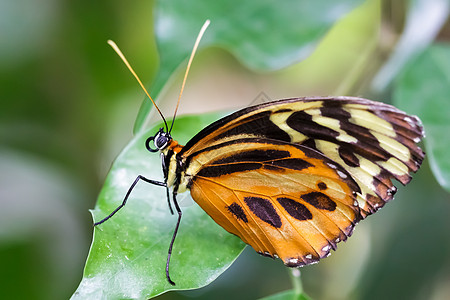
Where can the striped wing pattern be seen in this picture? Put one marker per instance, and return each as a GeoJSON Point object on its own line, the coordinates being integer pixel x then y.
{"type": "Point", "coordinates": [292, 177]}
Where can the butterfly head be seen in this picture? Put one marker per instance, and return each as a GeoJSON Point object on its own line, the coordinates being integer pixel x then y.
{"type": "Point", "coordinates": [160, 140]}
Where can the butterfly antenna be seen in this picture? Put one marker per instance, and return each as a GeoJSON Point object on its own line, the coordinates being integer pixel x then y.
{"type": "Point", "coordinates": [116, 48]}
{"type": "Point", "coordinates": [197, 41]}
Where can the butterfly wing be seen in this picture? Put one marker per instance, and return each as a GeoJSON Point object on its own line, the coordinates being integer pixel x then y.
{"type": "Point", "coordinates": [284, 200]}
{"type": "Point", "coordinates": [373, 141]}
{"type": "Point", "coordinates": [292, 177]}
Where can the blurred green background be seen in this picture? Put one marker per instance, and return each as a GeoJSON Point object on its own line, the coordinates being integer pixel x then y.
{"type": "Point", "coordinates": [68, 107]}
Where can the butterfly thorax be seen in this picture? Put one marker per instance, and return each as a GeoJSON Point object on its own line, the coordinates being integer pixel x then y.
{"type": "Point", "coordinates": [171, 164]}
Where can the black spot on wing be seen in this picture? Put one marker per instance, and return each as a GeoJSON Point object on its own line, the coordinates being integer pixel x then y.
{"type": "Point", "coordinates": [348, 156]}
{"type": "Point", "coordinates": [253, 156]}
{"type": "Point", "coordinates": [310, 143]}
{"type": "Point", "coordinates": [294, 209]}
{"type": "Point", "coordinates": [333, 109]}
{"type": "Point", "coordinates": [366, 145]}
{"type": "Point", "coordinates": [237, 211]}
{"type": "Point", "coordinates": [264, 210]}
{"type": "Point", "coordinates": [303, 123]}
{"type": "Point", "coordinates": [219, 170]}
{"type": "Point", "coordinates": [292, 164]}
{"type": "Point", "coordinates": [322, 186]}
{"type": "Point", "coordinates": [319, 200]}
{"type": "Point", "coordinates": [259, 125]}
{"type": "Point", "coordinates": [273, 168]}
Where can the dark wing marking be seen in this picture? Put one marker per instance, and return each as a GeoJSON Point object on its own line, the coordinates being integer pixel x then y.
{"type": "Point", "coordinates": [373, 141]}
{"type": "Point", "coordinates": [297, 214]}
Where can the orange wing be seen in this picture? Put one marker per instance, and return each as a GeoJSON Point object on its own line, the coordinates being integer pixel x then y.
{"type": "Point", "coordinates": [284, 200]}
{"type": "Point", "coordinates": [373, 141]}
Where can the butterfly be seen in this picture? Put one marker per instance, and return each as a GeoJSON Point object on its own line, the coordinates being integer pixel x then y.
{"type": "Point", "coordinates": [291, 177]}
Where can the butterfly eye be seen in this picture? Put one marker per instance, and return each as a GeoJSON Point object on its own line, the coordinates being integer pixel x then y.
{"type": "Point", "coordinates": [160, 140]}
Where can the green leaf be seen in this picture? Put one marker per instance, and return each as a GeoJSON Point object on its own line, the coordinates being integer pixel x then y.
{"type": "Point", "coordinates": [424, 20]}
{"type": "Point", "coordinates": [264, 35]}
{"type": "Point", "coordinates": [424, 90]}
{"type": "Point", "coordinates": [128, 253]}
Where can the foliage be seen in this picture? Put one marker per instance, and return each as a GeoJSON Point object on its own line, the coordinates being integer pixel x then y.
{"type": "Point", "coordinates": [425, 86]}
{"type": "Point", "coordinates": [68, 106]}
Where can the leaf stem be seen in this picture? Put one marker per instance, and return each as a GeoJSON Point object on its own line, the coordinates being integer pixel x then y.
{"type": "Point", "coordinates": [296, 280]}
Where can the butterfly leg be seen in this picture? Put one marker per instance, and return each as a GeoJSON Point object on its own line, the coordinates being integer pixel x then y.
{"type": "Point", "coordinates": [168, 197]}
{"type": "Point", "coordinates": [177, 207]}
{"type": "Point", "coordinates": [140, 177]}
